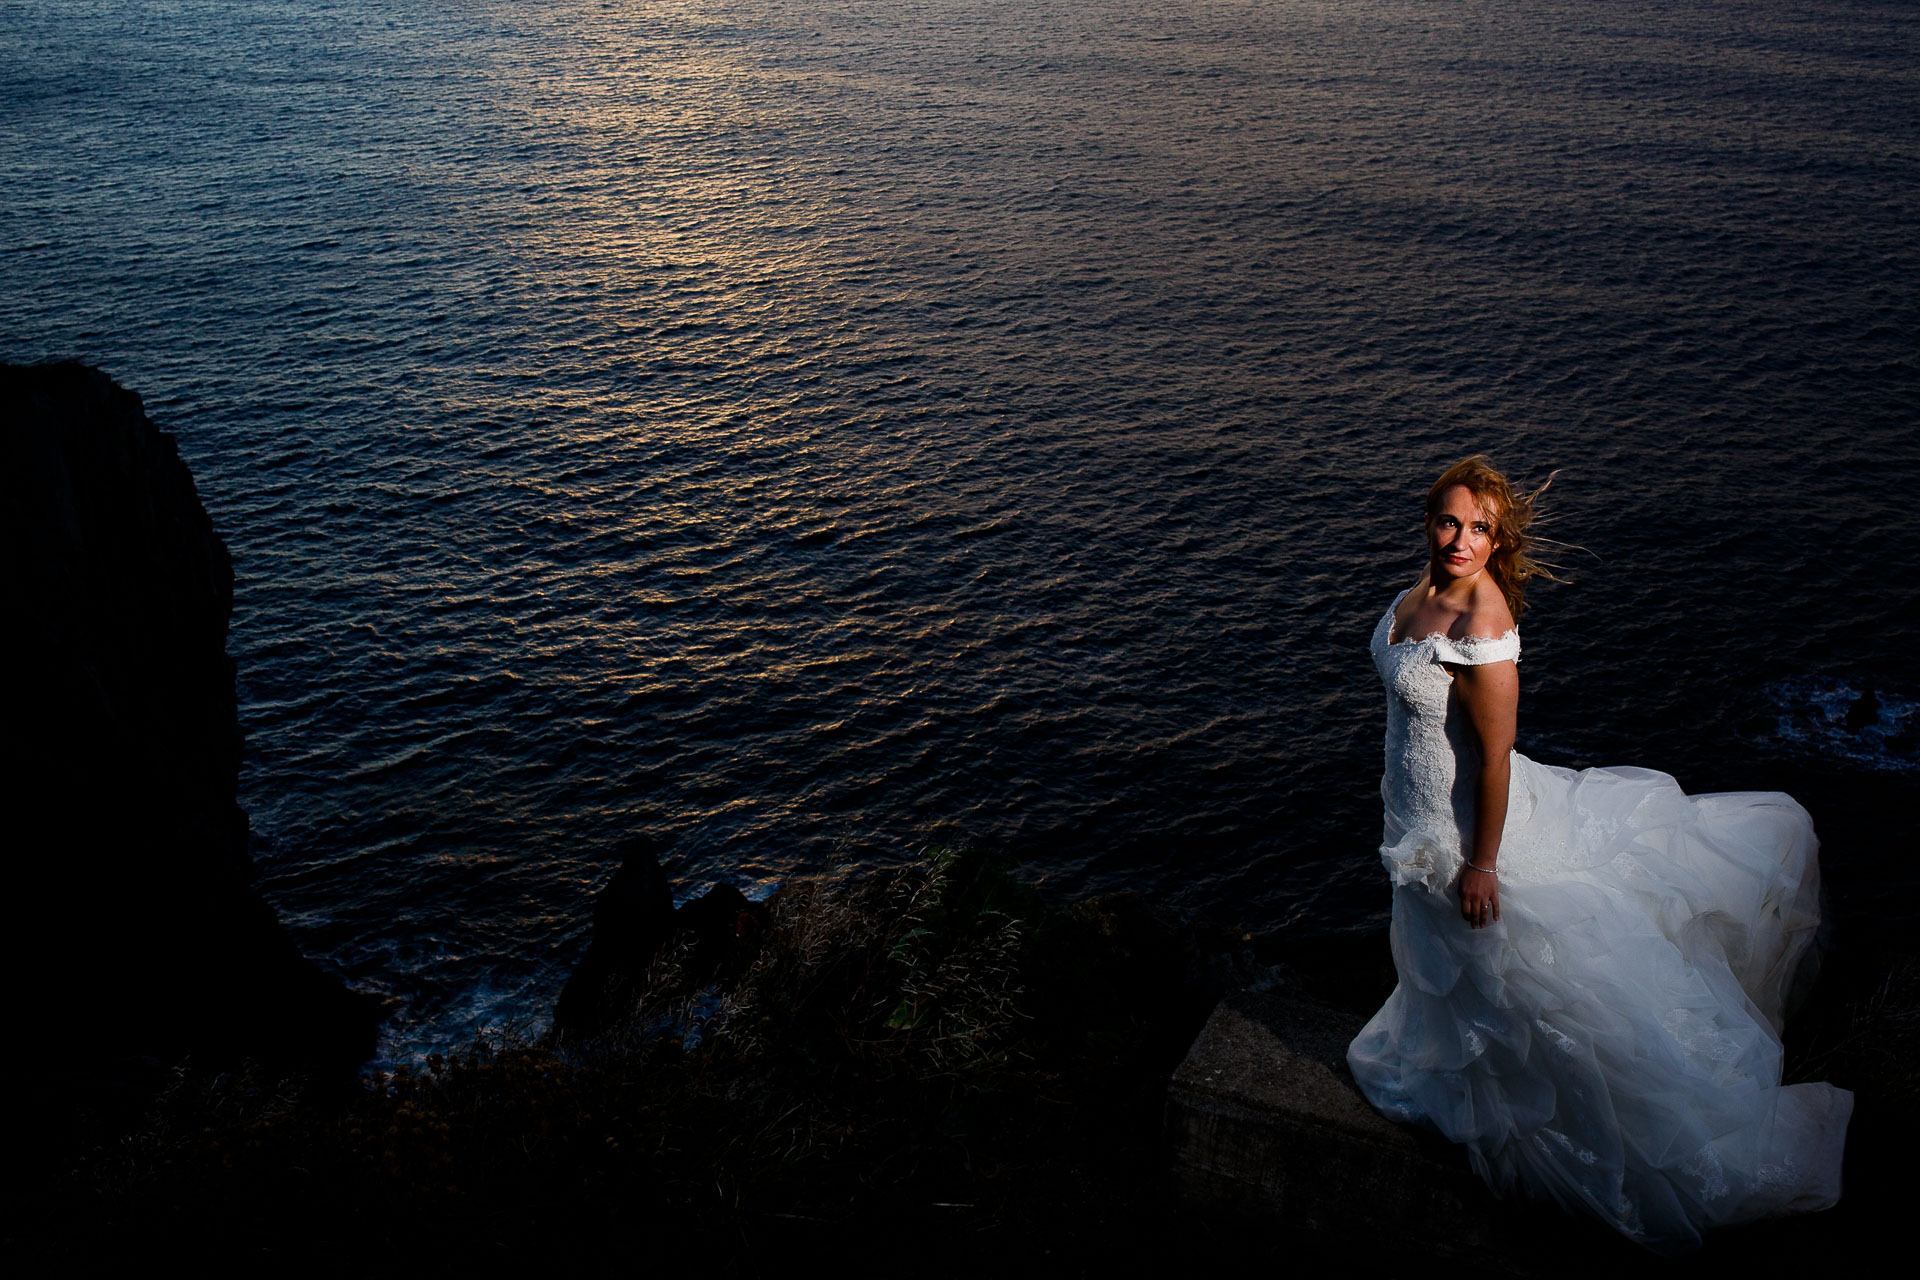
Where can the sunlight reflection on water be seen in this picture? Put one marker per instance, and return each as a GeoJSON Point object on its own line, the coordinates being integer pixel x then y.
{"type": "Point", "coordinates": [807, 429]}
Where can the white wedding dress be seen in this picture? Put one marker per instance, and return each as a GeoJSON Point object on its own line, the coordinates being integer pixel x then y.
{"type": "Point", "coordinates": [1613, 1042]}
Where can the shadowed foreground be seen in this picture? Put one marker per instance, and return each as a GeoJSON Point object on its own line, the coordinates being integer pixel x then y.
{"type": "Point", "coordinates": [927, 1070]}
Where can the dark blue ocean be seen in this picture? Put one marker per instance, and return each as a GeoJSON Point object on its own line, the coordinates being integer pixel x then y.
{"type": "Point", "coordinates": [805, 430]}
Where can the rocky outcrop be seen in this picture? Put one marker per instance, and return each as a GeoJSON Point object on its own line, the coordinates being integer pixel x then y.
{"type": "Point", "coordinates": [134, 930]}
{"type": "Point", "coordinates": [713, 937]}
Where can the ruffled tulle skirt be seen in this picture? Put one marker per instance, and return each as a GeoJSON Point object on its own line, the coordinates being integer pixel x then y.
{"type": "Point", "coordinates": [1613, 1042]}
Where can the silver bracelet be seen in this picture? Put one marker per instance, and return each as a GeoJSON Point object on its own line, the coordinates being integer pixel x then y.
{"type": "Point", "coordinates": [1482, 870]}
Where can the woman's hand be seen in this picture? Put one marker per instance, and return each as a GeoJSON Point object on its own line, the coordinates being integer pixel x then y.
{"type": "Point", "coordinates": [1479, 897]}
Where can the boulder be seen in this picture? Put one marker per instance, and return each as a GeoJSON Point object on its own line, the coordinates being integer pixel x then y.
{"type": "Point", "coordinates": [1264, 1122]}
{"type": "Point", "coordinates": [722, 929]}
{"type": "Point", "coordinates": [632, 921]}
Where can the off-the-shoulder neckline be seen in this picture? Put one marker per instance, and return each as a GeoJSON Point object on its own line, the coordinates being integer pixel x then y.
{"type": "Point", "coordinates": [1511, 633]}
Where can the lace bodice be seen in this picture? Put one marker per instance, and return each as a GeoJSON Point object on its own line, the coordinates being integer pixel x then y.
{"type": "Point", "coordinates": [1431, 753]}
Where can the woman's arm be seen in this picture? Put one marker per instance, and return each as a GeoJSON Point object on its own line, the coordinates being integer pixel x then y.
{"type": "Point", "coordinates": [1490, 697]}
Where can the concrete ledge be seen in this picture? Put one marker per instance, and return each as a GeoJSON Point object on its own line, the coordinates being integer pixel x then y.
{"type": "Point", "coordinates": [1264, 1120]}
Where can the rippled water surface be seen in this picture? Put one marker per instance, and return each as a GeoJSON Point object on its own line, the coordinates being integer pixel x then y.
{"type": "Point", "coordinates": [803, 430]}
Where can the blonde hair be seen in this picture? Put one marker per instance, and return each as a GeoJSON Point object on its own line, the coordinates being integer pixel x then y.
{"type": "Point", "coordinates": [1511, 563]}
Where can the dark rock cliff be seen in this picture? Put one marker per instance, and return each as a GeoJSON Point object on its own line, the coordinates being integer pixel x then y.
{"type": "Point", "coordinates": [134, 931]}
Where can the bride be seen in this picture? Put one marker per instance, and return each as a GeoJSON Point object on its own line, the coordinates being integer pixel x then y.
{"type": "Point", "coordinates": [1593, 966]}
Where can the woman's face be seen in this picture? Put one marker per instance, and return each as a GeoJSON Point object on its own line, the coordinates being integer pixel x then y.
{"type": "Point", "coordinates": [1460, 537]}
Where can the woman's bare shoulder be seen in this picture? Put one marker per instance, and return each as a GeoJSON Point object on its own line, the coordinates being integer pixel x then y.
{"type": "Point", "coordinates": [1487, 618]}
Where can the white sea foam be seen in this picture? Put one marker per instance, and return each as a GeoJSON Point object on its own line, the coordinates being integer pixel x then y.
{"type": "Point", "coordinates": [1858, 721]}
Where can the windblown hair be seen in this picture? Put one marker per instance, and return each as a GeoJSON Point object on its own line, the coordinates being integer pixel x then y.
{"type": "Point", "coordinates": [1511, 563]}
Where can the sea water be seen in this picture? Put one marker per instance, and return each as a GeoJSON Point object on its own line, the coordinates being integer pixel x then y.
{"type": "Point", "coordinates": [802, 431]}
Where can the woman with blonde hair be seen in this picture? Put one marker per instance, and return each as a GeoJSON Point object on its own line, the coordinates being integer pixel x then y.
{"type": "Point", "coordinates": [1593, 966]}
